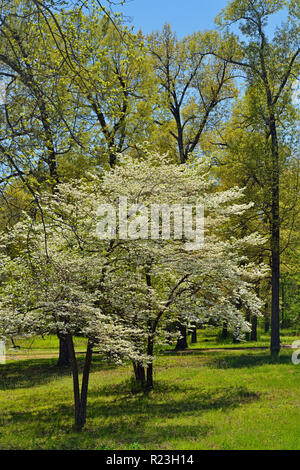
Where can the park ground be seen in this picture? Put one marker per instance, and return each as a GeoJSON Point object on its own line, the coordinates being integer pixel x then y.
{"type": "Point", "coordinates": [204, 398]}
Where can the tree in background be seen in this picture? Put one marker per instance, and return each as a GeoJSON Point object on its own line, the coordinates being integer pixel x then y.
{"type": "Point", "coordinates": [194, 86]}
{"type": "Point", "coordinates": [270, 67]}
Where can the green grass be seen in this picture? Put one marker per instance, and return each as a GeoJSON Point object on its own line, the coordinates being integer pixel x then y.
{"type": "Point", "coordinates": [207, 338]}
{"type": "Point", "coordinates": [40, 346]}
{"type": "Point", "coordinates": [211, 338]}
{"type": "Point", "coordinates": [202, 400]}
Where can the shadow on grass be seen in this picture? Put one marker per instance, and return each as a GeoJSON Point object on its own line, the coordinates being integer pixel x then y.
{"type": "Point", "coordinates": [30, 372]}
{"type": "Point", "coordinates": [151, 420]}
{"type": "Point", "coordinates": [237, 361]}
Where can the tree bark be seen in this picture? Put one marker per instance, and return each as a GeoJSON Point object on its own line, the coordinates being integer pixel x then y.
{"type": "Point", "coordinates": [139, 372]}
{"type": "Point", "coordinates": [225, 331]}
{"type": "Point", "coordinates": [80, 399]}
{"type": "Point", "coordinates": [64, 356]}
{"type": "Point", "coordinates": [253, 335]}
{"type": "Point", "coordinates": [267, 317]}
{"type": "Point", "coordinates": [81, 415]}
{"type": "Point", "coordinates": [194, 335]}
{"type": "Point", "coordinates": [149, 383]}
{"type": "Point", "coordinates": [275, 241]}
{"type": "Point", "coordinates": [182, 342]}
{"type": "Point", "coordinates": [248, 320]}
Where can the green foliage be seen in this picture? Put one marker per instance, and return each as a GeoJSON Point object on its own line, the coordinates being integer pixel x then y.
{"type": "Point", "coordinates": [87, 95]}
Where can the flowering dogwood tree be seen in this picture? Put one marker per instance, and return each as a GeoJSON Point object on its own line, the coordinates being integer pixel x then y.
{"type": "Point", "coordinates": [124, 291]}
{"type": "Point", "coordinates": [158, 281]}
{"type": "Point", "coordinates": [49, 287]}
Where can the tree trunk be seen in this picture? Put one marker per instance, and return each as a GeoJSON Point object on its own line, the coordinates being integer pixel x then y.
{"type": "Point", "coordinates": [267, 317]}
{"type": "Point", "coordinates": [80, 400]}
{"type": "Point", "coordinates": [182, 342]}
{"type": "Point", "coordinates": [81, 417]}
{"type": "Point", "coordinates": [149, 383]}
{"type": "Point", "coordinates": [248, 320]}
{"type": "Point", "coordinates": [267, 324]}
{"type": "Point", "coordinates": [15, 346]}
{"type": "Point", "coordinates": [275, 241]}
{"type": "Point", "coordinates": [275, 315]}
{"type": "Point", "coordinates": [139, 372]}
{"type": "Point", "coordinates": [236, 341]}
{"type": "Point", "coordinates": [194, 335]}
{"type": "Point", "coordinates": [64, 356]}
{"type": "Point", "coordinates": [253, 336]}
{"type": "Point", "coordinates": [225, 331]}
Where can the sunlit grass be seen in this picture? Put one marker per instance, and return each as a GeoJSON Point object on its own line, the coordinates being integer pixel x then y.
{"type": "Point", "coordinates": [205, 400]}
{"type": "Point", "coordinates": [211, 338]}
{"type": "Point", "coordinates": [40, 346]}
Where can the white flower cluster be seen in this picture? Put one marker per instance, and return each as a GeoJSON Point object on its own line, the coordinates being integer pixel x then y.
{"type": "Point", "coordinates": [126, 295]}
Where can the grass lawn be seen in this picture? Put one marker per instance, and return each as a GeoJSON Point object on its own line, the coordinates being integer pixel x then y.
{"type": "Point", "coordinates": [40, 347]}
{"type": "Point", "coordinates": [202, 400]}
{"type": "Point", "coordinates": [207, 338]}
{"type": "Point", "coordinates": [211, 338]}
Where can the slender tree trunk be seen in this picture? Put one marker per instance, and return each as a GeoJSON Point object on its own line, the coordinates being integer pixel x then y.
{"type": "Point", "coordinates": [275, 241]}
{"type": "Point", "coordinates": [64, 356]}
{"type": "Point", "coordinates": [267, 324]}
{"type": "Point", "coordinates": [80, 399]}
{"type": "Point", "coordinates": [84, 387]}
{"type": "Point", "coordinates": [194, 335]}
{"type": "Point", "coordinates": [149, 383]}
{"type": "Point", "coordinates": [267, 317]}
{"type": "Point", "coordinates": [180, 144]}
{"type": "Point", "coordinates": [15, 346]}
{"type": "Point", "coordinates": [248, 320]}
{"type": "Point", "coordinates": [253, 336]}
{"type": "Point", "coordinates": [75, 374]}
{"type": "Point", "coordinates": [275, 316]}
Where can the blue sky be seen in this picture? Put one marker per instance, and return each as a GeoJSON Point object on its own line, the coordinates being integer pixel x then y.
{"type": "Point", "coordinates": [185, 17]}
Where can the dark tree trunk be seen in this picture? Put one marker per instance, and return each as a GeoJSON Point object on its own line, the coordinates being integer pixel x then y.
{"type": "Point", "coordinates": [248, 320]}
{"type": "Point", "coordinates": [81, 417]}
{"type": "Point", "coordinates": [225, 331]}
{"type": "Point", "coordinates": [179, 138]}
{"type": "Point", "coordinates": [149, 383]}
{"type": "Point", "coordinates": [182, 341]}
{"type": "Point", "coordinates": [267, 324]}
{"type": "Point", "coordinates": [64, 356]}
{"type": "Point", "coordinates": [275, 315]}
{"type": "Point", "coordinates": [194, 335]}
{"type": "Point", "coordinates": [275, 240]}
{"type": "Point", "coordinates": [139, 372]}
{"type": "Point", "coordinates": [267, 314]}
{"type": "Point", "coordinates": [253, 336]}
{"type": "Point", "coordinates": [15, 346]}
{"type": "Point", "coordinates": [236, 340]}
{"type": "Point", "coordinates": [112, 159]}
{"type": "Point", "coordinates": [80, 399]}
